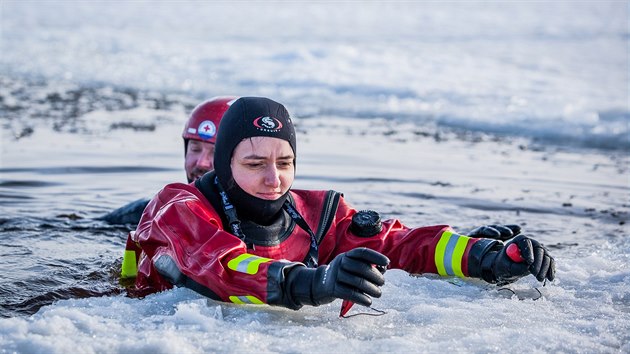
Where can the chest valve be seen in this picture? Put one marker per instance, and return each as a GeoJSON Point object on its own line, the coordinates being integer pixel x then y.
{"type": "Point", "coordinates": [366, 223]}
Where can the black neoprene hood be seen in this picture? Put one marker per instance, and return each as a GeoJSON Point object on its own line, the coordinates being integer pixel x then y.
{"type": "Point", "coordinates": [250, 117]}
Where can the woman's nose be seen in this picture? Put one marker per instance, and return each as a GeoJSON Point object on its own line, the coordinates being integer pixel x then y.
{"type": "Point", "coordinates": [272, 177]}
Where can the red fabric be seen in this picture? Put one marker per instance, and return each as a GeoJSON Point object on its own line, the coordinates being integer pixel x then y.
{"type": "Point", "coordinates": [181, 223]}
{"type": "Point", "coordinates": [467, 256]}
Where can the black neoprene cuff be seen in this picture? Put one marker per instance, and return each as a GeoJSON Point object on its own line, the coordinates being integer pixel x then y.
{"type": "Point", "coordinates": [299, 284]}
{"type": "Point", "coordinates": [280, 276]}
{"type": "Point", "coordinates": [476, 255]}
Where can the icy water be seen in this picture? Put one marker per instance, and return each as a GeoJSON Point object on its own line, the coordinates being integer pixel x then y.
{"type": "Point", "coordinates": [458, 113]}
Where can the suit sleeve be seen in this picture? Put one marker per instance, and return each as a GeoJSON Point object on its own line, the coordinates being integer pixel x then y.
{"type": "Point", "coordinates": [430, 249]}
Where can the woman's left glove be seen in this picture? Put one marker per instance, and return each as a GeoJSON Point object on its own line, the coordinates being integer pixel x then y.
{"type": "Point", "coordinates": [503, 265]}
{"type": "Point", "coordinates": [356, 275]}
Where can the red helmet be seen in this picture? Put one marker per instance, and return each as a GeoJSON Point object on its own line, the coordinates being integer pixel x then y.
{"type": "Point", "coordinates": [204, 120]}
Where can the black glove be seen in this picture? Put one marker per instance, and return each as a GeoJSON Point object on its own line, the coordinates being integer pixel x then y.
{"type": "Point", "coordinates": [498, 267]}
{"type": "Point", "coordinates": [496, 232]}
{"type": "Point", "coordinates": [355, 275]}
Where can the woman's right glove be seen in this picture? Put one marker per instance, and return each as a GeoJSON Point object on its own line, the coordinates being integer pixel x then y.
{"type": "Point", "coordinates": [356, 275]}
{"type": "Point", "coordinates": [503, 264]}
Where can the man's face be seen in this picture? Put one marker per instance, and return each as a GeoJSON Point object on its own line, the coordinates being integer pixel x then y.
{"type": "Point", "coordinates": [263, 167]}
{"type": "Point", "coordinates": [199, 159]}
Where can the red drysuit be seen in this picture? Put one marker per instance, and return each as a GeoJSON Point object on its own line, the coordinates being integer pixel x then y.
{"type": "Point", "coordinates": [181, 241]}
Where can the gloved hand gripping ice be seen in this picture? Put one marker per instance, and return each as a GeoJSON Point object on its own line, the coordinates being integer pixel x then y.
{"type": "Point", "coordinates": [350, 276]}
{"type": "Point", "coordinates": [502, 265]}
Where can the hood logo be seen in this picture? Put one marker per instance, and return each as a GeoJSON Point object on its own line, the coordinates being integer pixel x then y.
{"type": "Point", "coordinates": [268, 124]}
{"type": "Point", "coordinates": [207, 130]}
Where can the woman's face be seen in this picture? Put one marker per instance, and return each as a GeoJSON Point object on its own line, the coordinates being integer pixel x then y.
{"type": "Point", "coordinates": [263, 167]}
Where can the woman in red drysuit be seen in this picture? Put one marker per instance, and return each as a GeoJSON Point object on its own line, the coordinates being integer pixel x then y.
{"type": "Point", "coordinates": [241, 234]}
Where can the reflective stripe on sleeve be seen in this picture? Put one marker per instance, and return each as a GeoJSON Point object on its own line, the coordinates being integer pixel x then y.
{"type": "Point", "coordinates": [449, 253]}
{"type": "Point", "coordinates": [247, 263]}
{"type": "Point", "coordinates": [246, 299]}
{"type": "Point", "coordinates": [129, 265]}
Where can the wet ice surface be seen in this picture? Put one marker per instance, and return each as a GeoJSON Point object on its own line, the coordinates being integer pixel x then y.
{"type": "Point", "coordinates": [435, 117]}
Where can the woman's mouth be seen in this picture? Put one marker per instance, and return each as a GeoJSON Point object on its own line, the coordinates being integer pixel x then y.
{"type": "Point", "coordinates": [269, 195]}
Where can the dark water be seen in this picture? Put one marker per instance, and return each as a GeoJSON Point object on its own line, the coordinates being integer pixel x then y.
{"type": "Point", "coordinates": [65, 252]}
{"type": "Point", "coordinates": [44, 260]}
{"type": "Point", "coordinates": [51, 244]}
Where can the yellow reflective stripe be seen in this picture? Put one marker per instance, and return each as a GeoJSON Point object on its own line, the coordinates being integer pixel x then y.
{"type": "Point", "coordinates": [247, 263]}
{"type": "Point", "coordinates": [236, 300]}
{"type": "Point", "coordinates": [129, 265]}
{"type": "Point", "coordinates": [439, 252]}
{"type": "Point", "coordinates": [449, 253]}
{"type": "Point", "coordinates": [458, 255]}
{"type": "Point", "coordinates": [252, 267]}
{"type": "Point", "coordinates": [246, 299]}
{"type": "Point", "coordinates": [233, 264]}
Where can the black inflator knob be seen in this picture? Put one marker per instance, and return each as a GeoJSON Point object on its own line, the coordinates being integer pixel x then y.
{"type": "Point", "coordinates": [366, 223]}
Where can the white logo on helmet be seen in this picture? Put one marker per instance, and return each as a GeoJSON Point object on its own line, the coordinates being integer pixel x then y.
{"type": "Point", "coordinates": [207, 130]}
{"type": "Point", "coordinates": [268, 124]}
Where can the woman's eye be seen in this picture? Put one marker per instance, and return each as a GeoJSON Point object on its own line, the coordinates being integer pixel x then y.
{"type": "Point", "coordinates": [285, 164]}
